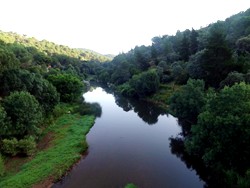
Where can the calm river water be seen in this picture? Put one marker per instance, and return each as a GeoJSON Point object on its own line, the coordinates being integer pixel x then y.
{"type": "Point", "coordinates": [130, 143]}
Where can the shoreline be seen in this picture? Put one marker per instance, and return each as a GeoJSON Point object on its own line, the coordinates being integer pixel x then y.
{"type": "Point", "coordinates": [67, 147]}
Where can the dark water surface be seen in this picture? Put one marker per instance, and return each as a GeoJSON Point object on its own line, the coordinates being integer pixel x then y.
{"type": "Point", "coordinates": [130, 143]}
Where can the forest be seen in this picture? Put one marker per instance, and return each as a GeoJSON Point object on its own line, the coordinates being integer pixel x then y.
{"type": "Point", "coordinates": [41, 83]}
{"type": "Point", "coordinates": [202, 77]}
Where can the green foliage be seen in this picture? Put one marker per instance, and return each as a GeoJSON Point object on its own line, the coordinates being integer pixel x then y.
{"type": "Point", "coordinates": [188, 102]}
{"type": "Point", "coordinates": [232, 78]}
{"type": "Point", "coordinates": [10, 146]}
{"type": "Point", "coordinates": [215, 137]}
{"type": "Point", "coordinates": [24, 113]}
{"type": "Point", "coordinates": [3, 117]}
{"type": "Point", "coordinates": [145, 83]}
{"type": "Point", "coordinates": [90, 109]}
{"type": "Point", "coordinates": [126, 90]}
{"type": "Point", "coordinates": [22, 80]}
{"type": "Point", "coordinates": [69, 86]}
{"type": "Point", "coordinates": [70, 141]}
{"type": "Point", "coordinates": [13, 147]}
{"type": "Point", "coordinates": [27, 146]}
{"type": "Point", "coordinates": [7, 59]}
{"type": "Point", "coordinates": [2, 168]}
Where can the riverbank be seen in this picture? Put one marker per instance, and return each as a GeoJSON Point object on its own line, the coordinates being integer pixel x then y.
{"type": "Point", "coordinates": [64, 142]}
{"type": "Point", "coordinates": [162, 96]}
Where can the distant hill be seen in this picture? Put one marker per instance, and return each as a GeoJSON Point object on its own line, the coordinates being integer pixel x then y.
{"type": "Point", "coordinates": [51, 48]}
{"type": "Point", "coordinates": [108, 56]}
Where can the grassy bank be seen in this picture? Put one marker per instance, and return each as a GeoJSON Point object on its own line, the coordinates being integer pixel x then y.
{"type": "Point", "coordinates": [162, 96]}
{"type": "Point", "coordinates": [65, 148]}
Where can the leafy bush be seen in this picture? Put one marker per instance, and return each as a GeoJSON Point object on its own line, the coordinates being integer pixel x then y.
{"type": "Point", "coordinates": [3, 117]}
{"type": "Point", "coordinates": [187, 103]}
{"type": "Point", "coordinates": [25, 115]}
{"type": "Point", "coordinates": [10, 146]}
{"type": "Point", "coordinates": [90, 109]}
{"type": "Point", "coordinates": [2, 170]}
{"type": "Point", "coordinates": [69, 86]}
{"type": "Point", "coordinates": [126, 90]}
{"type": "Point", "coordinates": [27, 146]}
{"type": "Point", "coordinates": [145, 83]}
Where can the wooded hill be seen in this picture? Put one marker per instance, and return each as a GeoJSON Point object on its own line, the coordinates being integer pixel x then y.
{"type": "Point", "coordinates": [211, 67]}
{"type": "Point", "coordinates": [217, 54]}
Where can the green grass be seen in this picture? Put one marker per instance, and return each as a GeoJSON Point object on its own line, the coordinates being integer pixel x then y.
{"type": "Point", "coordinates": [162, 96]}
{"type": "Point", "coordinates": [69, 142]}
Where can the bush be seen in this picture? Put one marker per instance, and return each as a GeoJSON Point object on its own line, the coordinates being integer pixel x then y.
{"type": "Point", "coordinates": [27, 146]}
{"type": "Point", "coordinates": [25, 115]}
{"type": "Point", "coordinates": [2, 170]}
{"type": "Point", "coordinates": [3, 117]}
{"type": "Point", "coordinates": [13, 147]}
{"type": "Point", "coordinates": [145, 83]}
{"type": "Point", "coordinates": [10, 146]}
{"type": "Point", "coordinates": [188, 102]}
{"type": "Point", "coordinates": [90, 109]}
{"type": "Point", "coordinates": [69, 86]}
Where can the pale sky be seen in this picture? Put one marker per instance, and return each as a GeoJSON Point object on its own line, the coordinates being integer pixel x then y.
{"type": "Point", "coordinates": [111, 26]}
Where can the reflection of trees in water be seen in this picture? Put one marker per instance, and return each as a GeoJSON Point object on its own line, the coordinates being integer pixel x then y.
{"type": "Point", "coordinates": [148, 112]}
{"type": "Point", "coordinates": [193, 162]}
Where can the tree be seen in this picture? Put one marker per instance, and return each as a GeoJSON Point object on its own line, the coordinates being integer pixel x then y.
{"type": "Point", "coordinates": [69, 86]}
{"type": "Point", "coordinates": [145, 83]}
{"type": "Point", "coordinates": [3, 117]}
{"type": "Point", "coordinates": [221, 136]}
{"type": "Point", "coordinates": [7, 60]}
{"type": "Point", "coordinates": [193, 45]}
{"type": "Point", "coordinates": [189, 101]}
{"type": "Point", "coordinates": [217, 58]}
{"type": "Point", "coordinates": [24, 113]}
{"type": "Point", "coordinates": [22, 80]}
{"type": "Point", "coordinates": [232, 78]}
{"type": "Point", "coordinates": [184, 48]}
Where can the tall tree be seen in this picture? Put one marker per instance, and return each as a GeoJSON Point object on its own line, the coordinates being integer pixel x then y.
{"type": "Point", "coordinates": [193, 45]}
{"type": "Point", "coordinates": [217, 58]}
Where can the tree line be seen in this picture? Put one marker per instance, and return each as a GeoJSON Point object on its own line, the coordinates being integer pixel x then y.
{"type": "Point", "coordinates": [35, 77]}
{"type": "Point", "coordinates": [212, 66]}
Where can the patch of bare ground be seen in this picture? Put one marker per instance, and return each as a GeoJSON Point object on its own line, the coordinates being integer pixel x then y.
{"type": "Point", "coordinates": [45, 142]}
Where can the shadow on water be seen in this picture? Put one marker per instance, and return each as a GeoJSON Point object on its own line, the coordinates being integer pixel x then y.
{"type": "Point", "coordinates": [192, 162]}
{"type": "Point", "coordinates": [122, 149]}
{"type": "Point", "coordinates": [148, 112]}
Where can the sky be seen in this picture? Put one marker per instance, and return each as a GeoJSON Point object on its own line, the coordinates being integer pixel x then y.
{"type": "Point", "coordinates": [111, 26]}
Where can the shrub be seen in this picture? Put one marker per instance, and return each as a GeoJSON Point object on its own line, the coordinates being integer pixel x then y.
{"type": "Point", "coordinates": [25, 115]}
{"type": "Point", "coordinates": [27, 146]}
{"type": "Point", "coordinates": [188, 102]}
{"type": "Point", "coordinates": [90, 109]}
{"type": "Point", "coordinates": [69, 86]}
{"type": "Point", "coordinates": [10, 146]}
{"type": "Point", "coordinates": [2, 170]}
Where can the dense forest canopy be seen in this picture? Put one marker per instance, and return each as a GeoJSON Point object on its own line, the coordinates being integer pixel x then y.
{"type": "Point", "coordinates": [35, 76]}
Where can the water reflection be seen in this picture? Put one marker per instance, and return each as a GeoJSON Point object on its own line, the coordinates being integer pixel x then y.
{"type": "Point", "coordinates": [122, 149]}
{"type": "Point", "coordinates": [192, 162]}
{"type": "Point", "coordinates": [148, 112]}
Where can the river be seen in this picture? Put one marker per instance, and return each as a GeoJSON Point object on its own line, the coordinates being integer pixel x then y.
{"type": "Point", "coordinates": [130, 143]}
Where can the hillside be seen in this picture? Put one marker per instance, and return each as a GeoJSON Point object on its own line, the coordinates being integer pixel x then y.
{"type": "Point", "coordinates": [185, 55]}
{"type": "Point", "coordinates": [202, 77]}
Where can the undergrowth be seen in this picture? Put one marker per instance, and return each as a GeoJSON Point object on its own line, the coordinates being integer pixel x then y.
{"type": "Point", "coordinates": [69, 143]}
